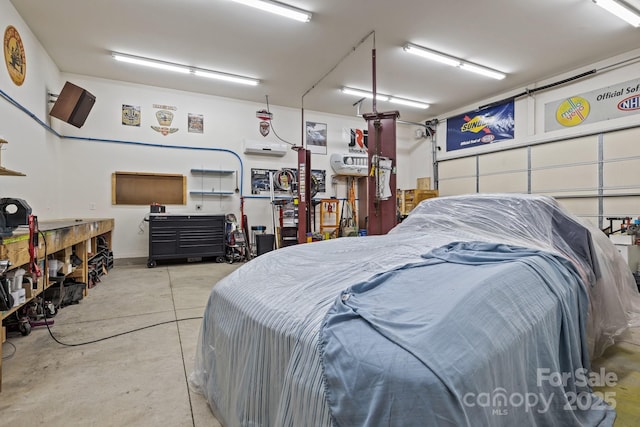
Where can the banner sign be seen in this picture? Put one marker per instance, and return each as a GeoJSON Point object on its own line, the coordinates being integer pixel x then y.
{"type": "Point", "coordinates": [492, 124]}
{"type": "Point", "coordinates": [607, 103]}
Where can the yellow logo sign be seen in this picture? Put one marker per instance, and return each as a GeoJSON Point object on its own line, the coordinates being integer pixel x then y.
{"type": "Point", "coordinates": [475, 125]}
{"type": "Point", "coordinates": [573, 111]}
{"type": "Point", "coordinates": [14, 55]}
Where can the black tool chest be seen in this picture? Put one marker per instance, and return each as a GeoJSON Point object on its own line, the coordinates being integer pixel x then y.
{"type": "Point", "coordinates": [185, 236]}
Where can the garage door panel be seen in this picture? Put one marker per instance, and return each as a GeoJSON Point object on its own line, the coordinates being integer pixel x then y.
{"type": "Point", "coordinates": [457, 168]}
{"type": "Point", "coordinates": [621, 174]}
{"type": "Point", "coordinates": [622, 144]}
{"type": "Point", "coordinates": [579, 150]}
{"type": "Point", "coordinates": [503, 161]}
{"type": "Point", "coordinates": [504, 183]}
{"type": "Point", "coordinates": [584, 208]}
{"type": "Point", "coordinates": [453, 187]}
{"type": "Point", "coordinates": [622, 206]}
{"type": "Point", "coordinates": [579, 178]}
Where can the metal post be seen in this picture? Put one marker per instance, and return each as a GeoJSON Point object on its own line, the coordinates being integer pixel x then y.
{"type": "Point", "coordinates": [601, 181]}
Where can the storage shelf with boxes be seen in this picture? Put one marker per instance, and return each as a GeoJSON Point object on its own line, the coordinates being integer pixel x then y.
{"type": "Point", "coordinates": [409, 199]}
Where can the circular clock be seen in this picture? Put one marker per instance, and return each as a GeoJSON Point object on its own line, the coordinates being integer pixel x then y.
{"type": "Point", "coordinates": [14, 56]}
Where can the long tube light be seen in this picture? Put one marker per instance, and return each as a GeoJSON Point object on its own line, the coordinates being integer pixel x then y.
{"type": "Point", "coordinates": [364, 94]}
{"type": "Point", "coordinates": [453, 61]}
{"type": "Point", "coordinates": [621, 11]}
{"type": "Point", "coordinates": [225, 77]}
{"type": "Point", "coordinates": [184, 69]}
{"type": "Point", "coordinates": [408, 103]}
{"type": "Point", "coordinates": [385, 98]}
{"type": "Point", "coordinates": [151, 63]}
{"type": "Point", "coordinates": [278, 8]}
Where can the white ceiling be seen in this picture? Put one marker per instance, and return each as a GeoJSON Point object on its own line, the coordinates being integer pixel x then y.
{"type": "Point", "coordinates": [529, 40]}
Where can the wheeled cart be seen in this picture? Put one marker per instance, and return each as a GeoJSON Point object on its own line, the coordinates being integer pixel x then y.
{"type": "Point", "coordinates": [177, 236]}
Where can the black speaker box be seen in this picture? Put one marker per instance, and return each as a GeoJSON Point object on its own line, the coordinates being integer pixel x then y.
{"type": "Point", "coordinates": [73, 105]}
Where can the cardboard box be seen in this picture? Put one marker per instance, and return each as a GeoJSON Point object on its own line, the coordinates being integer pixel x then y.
{"type": "Point", "coordinates": [33, 287]}
{"type": "Point", "coordinates": [409, 199]}
{"type": "Point", "coordinates": [423, 183]}
{"type": "Point", "coordinates": [28, 287]}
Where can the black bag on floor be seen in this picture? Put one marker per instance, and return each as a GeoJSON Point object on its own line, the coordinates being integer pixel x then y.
{"type": "Point", "coordinates": [6, 299]}
{"type": "Point", "coordinates": [73, 292]}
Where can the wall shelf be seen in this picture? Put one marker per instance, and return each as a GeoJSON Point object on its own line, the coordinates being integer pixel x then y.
{"type": "Point", "coordinates": [212, 171]}
{"type": "Point", "coordinates": [213, 182]}
{"type": "Point", "coordinates": [5, 171]}
{"type": "Point", "coordinates": [211, 193]}
{"type": "Point", "coordinates": [9, 172]}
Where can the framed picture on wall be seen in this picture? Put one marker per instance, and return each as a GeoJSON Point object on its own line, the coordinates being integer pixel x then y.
{"type": "Point", "coordinates": [316, 137]}
{"type": "Point", "coordinates": [195, 123]}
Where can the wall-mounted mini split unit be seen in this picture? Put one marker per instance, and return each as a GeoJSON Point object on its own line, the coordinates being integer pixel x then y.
{"type": "Point", "coordinates": [265, 148]}
{"type": "Point", "coordinates": [350, 164]}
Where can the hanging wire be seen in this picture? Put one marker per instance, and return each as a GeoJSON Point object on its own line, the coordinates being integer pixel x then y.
{"type": "Point", "coordinates": [273, 127]}
{"type": "Point", "coordinates": [353, 49]}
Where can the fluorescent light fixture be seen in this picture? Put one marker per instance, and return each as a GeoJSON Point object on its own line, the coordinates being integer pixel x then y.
{"type": "Point", "coordinates": [184, 69]}
{"type": "Point", "coordinates": [168, 66]}
{"type": "Point", "coordinates": [453, 61]}
{"type": "Point", "coordinates": [483, 71]}
{"type": "Point", "coordinates": [620, 10]}
{"type": "Point", "coordinates": [364, 94]}
{"type": "Point", "coordinates": [278, 8]}
{"type": "Point", "coordinates": [408, 103]}
{"type": "Point", "coordinates": [432, 55]}
{"type": "Point", "coordinates": [386, 98]}
{"type": "Point", "coordinates": [226, 77]}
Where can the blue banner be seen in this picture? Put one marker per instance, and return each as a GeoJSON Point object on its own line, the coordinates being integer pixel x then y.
{"type": "Point", "coordinates": [492, 124]}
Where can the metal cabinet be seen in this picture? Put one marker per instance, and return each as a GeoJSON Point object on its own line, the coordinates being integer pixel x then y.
{"type": "Point", "coordinates": [185, 236]}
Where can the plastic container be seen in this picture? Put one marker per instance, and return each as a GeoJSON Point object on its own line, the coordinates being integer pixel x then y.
{"type": "Point", "coordinates": [54, 266]}
{"type": "Point", "coordinates": [15, 277]}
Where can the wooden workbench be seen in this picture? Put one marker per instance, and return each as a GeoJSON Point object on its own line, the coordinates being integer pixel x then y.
{"type": "Point", "coordinates": [58, 238]}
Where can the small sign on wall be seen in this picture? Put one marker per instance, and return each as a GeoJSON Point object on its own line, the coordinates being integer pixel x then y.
{"type": "Point", "coordinates": [358, 139]}
{"type": "Point", "coordinates": [131, 115]}
{"type": "Point", "coordinates": [165, 119]}
{"type": "Point", "coordinates": [14, 56]}
{"type": "Point", "coordinates": [195, 123]}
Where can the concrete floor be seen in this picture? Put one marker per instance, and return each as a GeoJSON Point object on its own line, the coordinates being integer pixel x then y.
{"type": "Point", "coordinates": [623, 359]}
{"type": "Point", "coordinates": [140, 379]}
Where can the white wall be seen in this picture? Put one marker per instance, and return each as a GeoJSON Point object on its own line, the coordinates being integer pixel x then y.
{"type": "Point", "coordinates": [71, 178]}
{"type": "Point", "coordinates": [31, 150]}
